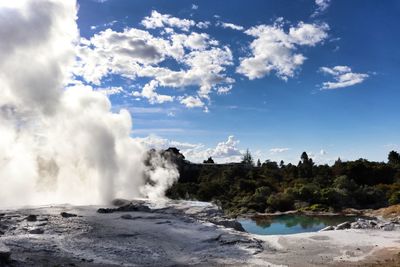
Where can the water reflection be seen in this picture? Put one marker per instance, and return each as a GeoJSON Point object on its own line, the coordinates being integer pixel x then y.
{"type": "Point", "coordinates": [290, 224]}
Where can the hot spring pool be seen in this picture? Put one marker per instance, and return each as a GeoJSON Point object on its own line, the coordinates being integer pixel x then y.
{"type": "Point", "coordinates": [290, 224]}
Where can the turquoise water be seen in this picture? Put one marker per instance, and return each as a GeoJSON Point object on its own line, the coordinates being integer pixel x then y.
{"type": "Point", "coordinates": [290, 224]}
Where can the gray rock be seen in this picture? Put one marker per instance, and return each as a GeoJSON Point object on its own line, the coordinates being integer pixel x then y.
{"type": "Point", "coordinates": [387, 226]}
{"type": "Point", "coordinates": [355, 225]}
{"type": "Point", "coordinates": [342, 226]}
{"type": "Point", "coordinates": [37, 231]}
{"type": "Point", "coordinates": [126, 208]}
{"type": "Point", "coordinates": [5, 254]}
{"type": "Point", "coordinates": [67, 215]}
{"type": "Point", "coordinates": [229, 223]}
{"type": "Point", "coordinates": [31, 218]}
{"type": "Point", "coordinates": [328, 228]}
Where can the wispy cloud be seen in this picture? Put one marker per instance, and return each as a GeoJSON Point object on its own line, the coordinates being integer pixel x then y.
{"type": "Point", "coordinates": [343, 76]}
{"type": "Point", "coordinates": [279, 150]}
{"type": "Point", "coordinates": [322, 5]}
{"type": "Point", "coordinates": [230, 26]}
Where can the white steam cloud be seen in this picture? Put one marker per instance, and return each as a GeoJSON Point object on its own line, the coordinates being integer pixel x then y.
{"type": "Point", "coordinates": [62, 143]}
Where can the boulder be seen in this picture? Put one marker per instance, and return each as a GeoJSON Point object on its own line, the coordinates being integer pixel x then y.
{"type": "Point", "coordinates": [31, 218]}
{"type": "Point", "coordinates": [342, 226]}
{"type": "Point", "coordinates": [5, 254]}
{"type": "Point", "coordinates": [328, 228]}
{"type": "Point", "coordinates": [67, 215]}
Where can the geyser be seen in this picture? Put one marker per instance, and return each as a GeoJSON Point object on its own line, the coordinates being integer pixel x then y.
{"type": "Point", "coordinates": [60, 142]}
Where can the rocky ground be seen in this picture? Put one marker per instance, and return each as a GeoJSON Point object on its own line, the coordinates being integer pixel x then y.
{"type": "Point", "coordinates": [174, 233]}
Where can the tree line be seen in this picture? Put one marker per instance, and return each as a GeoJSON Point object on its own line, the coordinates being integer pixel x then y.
{"type": "Point", "coordinates": [268, 187]}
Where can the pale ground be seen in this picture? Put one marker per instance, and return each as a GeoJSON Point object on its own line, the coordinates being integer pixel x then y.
{"type": "Point", "coordinates": [176, 235]}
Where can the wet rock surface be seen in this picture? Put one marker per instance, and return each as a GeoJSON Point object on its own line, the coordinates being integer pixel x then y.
{"type": "Point", "coordinates": [134, 234]}
{"type": "Point", "coordinates": [176, 233]}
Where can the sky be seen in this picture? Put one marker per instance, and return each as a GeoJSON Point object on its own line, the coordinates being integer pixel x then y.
{"type": "Point", "coordinates": [277, 77]}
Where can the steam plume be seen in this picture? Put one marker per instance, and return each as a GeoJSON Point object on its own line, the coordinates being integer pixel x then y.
{"type": "Point", "coordinates": [59, 142]}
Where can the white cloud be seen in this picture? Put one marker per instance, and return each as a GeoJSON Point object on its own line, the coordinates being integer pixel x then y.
{"type": "Point", "coordinates": [194, 7]}
{"type": "Point", "coordinates": [322, 5]}
{"type": "Point", "coordinates": [226, 151]}
{"type": "Point", "coordinates": [158, 20]}
{"type": "Point", "coordinates": [203, 24]}
{"type": "Point", "coordinates": [343, 76]}
{"type": "Point", "coordinates": [279, 150]}
{"type": "Point", "coordinates": [134, 53]}
{"type": "Point", "coordinates": [110, 90]}
{"type": "Point", "coordinates": [275, 50]}
{"type": "Point", "coordinates": [224, 90]}
{"type": "Point", "coordinates": [149, 92]}
{"type": "Point", "coordinates": [157, 142]}
{"type": "Point", "coordinates": [230, 26]}
{"type": "Point", "coordinates": [192, 102]}
{"type": "Point", "coordinates": [322, 152]}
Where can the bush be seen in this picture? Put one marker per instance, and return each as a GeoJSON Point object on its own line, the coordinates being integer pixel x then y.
{"type": "Point", "coordinates": [280, 202]}
{"type": "Point", "coordinates": [394, 198]}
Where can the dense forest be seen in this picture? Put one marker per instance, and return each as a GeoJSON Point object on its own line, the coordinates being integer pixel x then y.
{"type": "Point", "coordinates": [270, 186]}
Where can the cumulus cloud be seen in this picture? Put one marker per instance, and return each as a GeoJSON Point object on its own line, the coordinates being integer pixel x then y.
{"type": "Point", "coordinates": [279, 150]}
{"type": "Point", "coordinates": [274, 49]}
{"type": "Point", "coordinates": [148, 92]}
{"type": "Point", "coordinates": [61, 143]}
{"type": "Point", "coordinates": [227, 149]}
{"type": "Point", "coordinates": [230, 26]}
{"type": "Point", "coordinates": [158, 20]}
{"type": "Point", "coordinates": [343, 76]}
{"type": "Point", "coordinates": [192, 102]}
{"type": "Point", "coordinates": [135, 53]}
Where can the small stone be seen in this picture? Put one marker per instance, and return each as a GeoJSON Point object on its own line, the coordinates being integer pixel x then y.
{"type": "Point", "coordinates": [31, 218]}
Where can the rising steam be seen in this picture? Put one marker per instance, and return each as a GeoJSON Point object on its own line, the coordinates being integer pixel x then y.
{"type": "Point", "coordinates": [61, 143]}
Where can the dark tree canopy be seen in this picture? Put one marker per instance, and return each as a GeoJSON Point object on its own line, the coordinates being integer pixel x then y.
{"type": "Point", "coordinates": [394, 158]}
{"type": "Point", "coordinates": [209, 160]}
{"type": "Point", "coordinates": [243, 187]}
{"type": "Point", "coordinates": [247, 158]}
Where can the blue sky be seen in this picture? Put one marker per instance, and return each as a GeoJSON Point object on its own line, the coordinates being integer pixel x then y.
{"type": "Point", "coordinates": [277, 77]}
